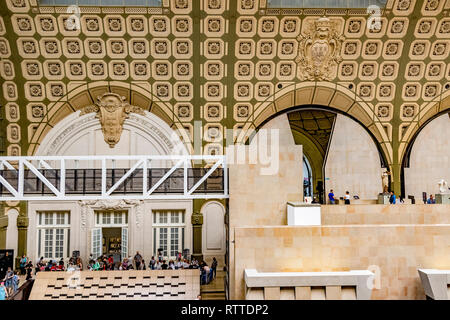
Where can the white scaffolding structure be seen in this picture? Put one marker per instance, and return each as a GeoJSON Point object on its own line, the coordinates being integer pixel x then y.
{"type": "Point", "coordinates": [15, 190]}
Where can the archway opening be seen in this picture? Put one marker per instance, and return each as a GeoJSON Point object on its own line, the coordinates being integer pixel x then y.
{"type": "Point", "coordinates": [339, 153]}
{"type": "Point", "coordinates": [313, 129]}
{"type": "Point", "coordinates": [427, 159]}
{"type": "Point", "coordinates": [308, 181]}
{"type": "Point", "coordinates": [82, 135]}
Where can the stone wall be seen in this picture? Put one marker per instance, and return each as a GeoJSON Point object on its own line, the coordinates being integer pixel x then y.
{"type": "Point", "coordinates": [258, 199]}
{"type": "Point", "coordinates": [397, 250]}
{"type": "Point", "coordinates": [385, 214]}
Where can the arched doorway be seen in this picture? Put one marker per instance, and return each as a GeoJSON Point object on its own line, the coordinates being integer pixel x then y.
{"type": "Point", "coordinates": [312, 128]}
{"type": "Point", "coordinates": [213, 232]}
{"type": "Point", "coordinates": [338, 100]}
{"type": "Point", "coordinates": [427, 159]}
{"type": "Point", "coordinates": [85, 96]}
{"type": "Point", "coordinates": [338, 151]}
{"type": "Point", "coordinates": [82, 135]}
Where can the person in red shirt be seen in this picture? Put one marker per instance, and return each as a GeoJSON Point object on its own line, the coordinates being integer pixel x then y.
{"type": "Point", "coordinates": [111, 263]}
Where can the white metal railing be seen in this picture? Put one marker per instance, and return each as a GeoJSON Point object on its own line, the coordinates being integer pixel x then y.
{"type": "Point", "coordinates": [16, 170]}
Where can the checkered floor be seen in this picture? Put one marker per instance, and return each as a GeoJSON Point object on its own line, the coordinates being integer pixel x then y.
{"type": "Point", "coordinates": [151, 285]}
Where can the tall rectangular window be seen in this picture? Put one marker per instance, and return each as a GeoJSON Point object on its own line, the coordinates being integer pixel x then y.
{"type": "Point", "coordinates": [168, 232]}
{"type": "Point", "coordinates": [111, 219]}
{"type": "Point", "coordinates": [53, 234]}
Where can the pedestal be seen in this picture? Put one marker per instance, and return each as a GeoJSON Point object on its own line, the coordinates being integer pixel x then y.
{"type": "Point", "coordinates": [383, 198]}
{"type": "Point", "coordinates": [442, 198]}
{"type": "Point", "coordinates": [303, 214]}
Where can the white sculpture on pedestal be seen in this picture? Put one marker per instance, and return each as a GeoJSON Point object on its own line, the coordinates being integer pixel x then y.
{"type": "Point", "coordinates": [385, 181]}
{"type": "Point", "coordinates": [443, 186]}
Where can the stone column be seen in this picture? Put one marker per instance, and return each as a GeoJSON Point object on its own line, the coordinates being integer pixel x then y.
{"type": "Point", "coordinates": [22, 227]}
{"type": "Point", "coordinates": [395, 180]}
{"type": "Point", "coordinates": [197, 222]}
{"type": "Point", "coordinates": [3, 227]}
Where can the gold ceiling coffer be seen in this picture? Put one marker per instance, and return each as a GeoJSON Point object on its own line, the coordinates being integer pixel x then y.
{"type": "Point", "coordinates": [319, 50]}
{"type": "Point", "coordinates": [112, 110]}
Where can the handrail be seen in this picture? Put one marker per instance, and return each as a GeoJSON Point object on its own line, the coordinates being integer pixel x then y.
{"type": "Point", "coordinates": [142, 177]}
{"type": "Point", "coordinates": [23, 293]}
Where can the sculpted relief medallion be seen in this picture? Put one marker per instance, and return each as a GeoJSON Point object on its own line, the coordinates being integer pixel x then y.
{"type": "Point", "coordinates": [112, 110]}
{"type": "Point", "coordinates": [319, 50]}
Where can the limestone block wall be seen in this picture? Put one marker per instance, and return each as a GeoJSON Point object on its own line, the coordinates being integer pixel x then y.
{"type": "Point", "coordinates": [385, 214]}
{"type": "Point", "coordinates": [257, 199]}
{"type": "Point", "coordinates": [397, 251]}
{"type": "Point", "coordinates": [350, 285]}
{"type": "Point", "coordinates": [430, 159]}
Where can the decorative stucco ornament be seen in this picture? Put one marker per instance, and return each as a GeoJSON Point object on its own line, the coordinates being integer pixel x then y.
{"type": "Point", "coordinates": [112, 110]}
{"type": "Point", "coordinates": [319, 50]}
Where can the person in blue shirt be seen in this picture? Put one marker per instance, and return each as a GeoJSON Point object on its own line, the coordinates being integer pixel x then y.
{"type": "Point", "coordinates": [431, 200]}
{"type": "Point", "coordinates": [392, 198]}
{"type": "Point", "coordinates": [331, 197]}
{"type": "Point", "coordinates": [15, 282]}
{"type": "Point", "coordinates": [3, 292]}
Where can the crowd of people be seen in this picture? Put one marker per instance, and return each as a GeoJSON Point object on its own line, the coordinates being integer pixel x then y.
{"type": "Point", "coordinates": [392, 198]}
{"type": "Point", "coordinates": [105, 262]}
{"type": "Point", "coordinates": [9, 284]}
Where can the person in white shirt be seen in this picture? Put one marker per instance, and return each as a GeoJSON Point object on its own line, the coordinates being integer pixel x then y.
{"type": "Point", "coordinates": [347, 197]}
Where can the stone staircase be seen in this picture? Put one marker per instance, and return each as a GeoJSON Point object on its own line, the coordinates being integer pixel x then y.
{"type": "Point", "coordinates": [215, 290]}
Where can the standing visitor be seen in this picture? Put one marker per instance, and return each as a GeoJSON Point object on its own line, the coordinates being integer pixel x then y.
{"type": "Point", "coordinates": [29, 269]}
{"type": "Point", "coordinates": [137, 260]}
{"type": "Point", "coordinates": [110, 262]}
{"type": "Point", "coordinates": [347, 198]}
{"type": "Point", "coordinates": [15, 282]}
{"type": "Point", "coordinates": [79, 264]}
{"type": "Point", "coordinates": [60, 266]}
{"type": "Point", "coordinates": [152, 263]}
{"type": "Point", "coordinates": [331, 197]}
{"type": "Point", "coordinates": [213, 268]}
{"type": "Point", "coordinates": [431, 200]}
{"type": "Point", "coordinates": [39, 265]}
{"type": "Point", "coordinates": [9, 280]}
{"type": "Point", "coordinates": [23, 262]}
{"type": "Point", "coordinates": [125, 264]}
{"type": "Point", "coordinates": [96, 266]}
{"type": "Point", "coordinates": [392, 198]}
{"type": "Point", "coordinates": [206, 273]}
